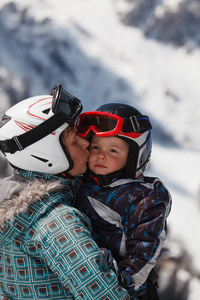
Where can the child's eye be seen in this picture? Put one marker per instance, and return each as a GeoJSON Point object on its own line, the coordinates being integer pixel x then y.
{"type": "Point", "coordinates": [94, 147]}
{"type": "Point", "coordinates": [113, 150]}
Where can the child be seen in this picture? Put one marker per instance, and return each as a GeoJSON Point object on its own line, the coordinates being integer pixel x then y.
{"type": "Point", "coordinates": [128, 211]}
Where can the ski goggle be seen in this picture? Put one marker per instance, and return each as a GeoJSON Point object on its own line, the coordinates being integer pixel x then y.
{"type": "Point", "coordinates": [105, 124]}
{"type": "Point", "coordinates": [101, 123]}
{"type": "Point", "coordinates": [64, 103]}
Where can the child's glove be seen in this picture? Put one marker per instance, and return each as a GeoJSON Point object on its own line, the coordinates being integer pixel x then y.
{"type": "Point", "coordinates": [125, 280]}
{"type": "Point", "coordinates": [111, 262]}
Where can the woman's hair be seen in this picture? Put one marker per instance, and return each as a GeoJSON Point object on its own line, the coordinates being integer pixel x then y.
{"type": "Point", "coordinates": [65, 149]}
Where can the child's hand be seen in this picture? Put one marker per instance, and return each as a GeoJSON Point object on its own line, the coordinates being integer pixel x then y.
{"type": "Point", "coordinates": [125, 280]}
{"type": "Point", "coordinates": [112, 264]}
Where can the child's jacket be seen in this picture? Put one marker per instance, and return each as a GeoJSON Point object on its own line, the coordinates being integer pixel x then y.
{"type": "Point", "coordinates": [46, 250]}
{"type": "Point", "coordinates": [128, 217]}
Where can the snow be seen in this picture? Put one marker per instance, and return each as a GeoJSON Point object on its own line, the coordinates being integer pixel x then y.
{"type": "Point", "coordinates": [180, 172]}
{"type": "Point", "coordinates": [165, 81]}
{"type": "Point", "coordinates": [194, 289]}
{"type": "Point", "coordinates": [170, 5]}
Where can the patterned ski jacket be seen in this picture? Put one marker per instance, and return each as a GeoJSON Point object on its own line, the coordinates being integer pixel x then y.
{"type": "Point", "coordinates": [46, 250]}
{"type": "Point", "coordinates": [128, 217]}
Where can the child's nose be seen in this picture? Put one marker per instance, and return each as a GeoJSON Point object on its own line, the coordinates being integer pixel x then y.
{"type": "Point", "coordinates": [101, 155]}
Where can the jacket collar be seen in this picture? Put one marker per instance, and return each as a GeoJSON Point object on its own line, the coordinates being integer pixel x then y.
{"type": "Point", "coordinates": [47, 177]}
{"type": "Point", "coordinates": [102, 180]}
{"type": "Point", "coordinates": [112, 179]}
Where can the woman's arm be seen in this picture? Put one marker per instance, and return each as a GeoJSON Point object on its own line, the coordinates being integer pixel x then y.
{"type": "Point", "coordinates": [75, 258]}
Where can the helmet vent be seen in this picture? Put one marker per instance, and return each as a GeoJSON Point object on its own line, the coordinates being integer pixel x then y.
{"type": "Point", "coordinates": [40, 158]}
{"type": "Point", "coordinates": [46, 111]}
{"type": "Point", "coordinates": [4, 119]}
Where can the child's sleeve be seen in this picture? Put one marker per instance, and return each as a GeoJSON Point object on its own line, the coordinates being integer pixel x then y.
{"type": "Point", "coordinates": [146, 232]}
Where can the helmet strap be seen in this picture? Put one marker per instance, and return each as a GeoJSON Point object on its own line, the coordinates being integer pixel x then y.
{"type": "Point", "coordinates": [131, 163]}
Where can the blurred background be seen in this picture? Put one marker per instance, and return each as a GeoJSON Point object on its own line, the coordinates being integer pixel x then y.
{"type": "Point", "coordinates": [138, 52]}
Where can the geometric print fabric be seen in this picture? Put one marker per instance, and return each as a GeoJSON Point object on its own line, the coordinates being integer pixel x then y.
{"type": "Point", "coordinates": [62, 264]}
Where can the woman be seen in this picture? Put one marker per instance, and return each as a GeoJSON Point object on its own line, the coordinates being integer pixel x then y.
{"type": "Point", "coordinates": [46, 250]}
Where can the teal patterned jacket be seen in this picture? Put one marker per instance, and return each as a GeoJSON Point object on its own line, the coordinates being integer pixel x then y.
{"type": "Point", "coordinates": [46, 249]}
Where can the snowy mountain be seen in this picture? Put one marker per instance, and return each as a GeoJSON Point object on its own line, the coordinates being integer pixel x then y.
{"type": "Point", "coordinates": [173, 22]}
{"type": "Point", "coordinates": [143, 53]}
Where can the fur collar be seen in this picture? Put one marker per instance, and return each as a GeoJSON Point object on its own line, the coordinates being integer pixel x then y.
{"type": "Point", "coordinates": [30, 192]}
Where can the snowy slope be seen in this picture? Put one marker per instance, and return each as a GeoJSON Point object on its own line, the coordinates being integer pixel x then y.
{"type": "Point", "coordinates": [85, 46]}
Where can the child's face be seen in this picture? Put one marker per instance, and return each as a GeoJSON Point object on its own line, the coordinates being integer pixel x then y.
{"type": "Point", "coordinates": [107, 154]}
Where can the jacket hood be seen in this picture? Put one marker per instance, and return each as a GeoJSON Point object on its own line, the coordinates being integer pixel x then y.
{"type": "Point", "coordinates": [23, 200]}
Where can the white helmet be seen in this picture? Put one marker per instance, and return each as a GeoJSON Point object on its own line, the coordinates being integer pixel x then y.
{"type": "Point", "coordinates": [30, 132]}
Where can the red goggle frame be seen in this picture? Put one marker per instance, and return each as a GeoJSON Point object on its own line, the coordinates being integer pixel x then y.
{"type": "Point", "coordinates": [104, 124]}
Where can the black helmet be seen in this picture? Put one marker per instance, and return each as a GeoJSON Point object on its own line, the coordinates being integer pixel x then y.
{"type": "Point", "coordinates": [127, 123]}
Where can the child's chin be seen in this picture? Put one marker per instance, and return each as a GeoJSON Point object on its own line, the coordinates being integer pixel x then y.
{"type": "Point", "coordinates": [100, 172]}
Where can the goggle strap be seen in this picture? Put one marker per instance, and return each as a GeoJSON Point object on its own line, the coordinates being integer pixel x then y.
{"type": "Point", "coordinates": [134, 123]}
{"type": "Point", "coordinates": [139, 123]}
{"type": "Point", "coordinates": [18, 143]}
